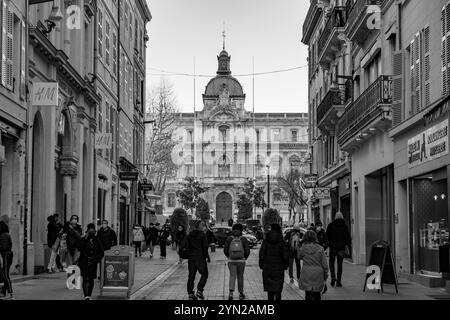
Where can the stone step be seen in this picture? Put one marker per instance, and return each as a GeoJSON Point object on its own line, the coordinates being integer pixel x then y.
{"type": "Point", "coordinates": [447, 287]}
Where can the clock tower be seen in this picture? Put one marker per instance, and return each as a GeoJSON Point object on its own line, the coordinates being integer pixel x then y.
{"type": "Point", "coordinates": [224, 60]}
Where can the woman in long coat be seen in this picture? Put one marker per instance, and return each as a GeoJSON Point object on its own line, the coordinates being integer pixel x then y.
{"type": "Point", "coordinates": [315, 267]}
{"type": "Point", "coordinates": [273, 260]}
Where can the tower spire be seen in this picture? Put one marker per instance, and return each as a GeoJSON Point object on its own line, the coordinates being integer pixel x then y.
{"type": "Point", "coordinates": [224, 35]}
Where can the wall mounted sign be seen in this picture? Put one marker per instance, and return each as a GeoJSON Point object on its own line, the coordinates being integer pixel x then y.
{"type": "Point", "coordinates": [103, 140]}
{"type": "Point", "coordinates": [322, 193]}
{"type": "Point", "coordinates": [428, 145]}
{"type": "Point", "coordinates": [45, 94]}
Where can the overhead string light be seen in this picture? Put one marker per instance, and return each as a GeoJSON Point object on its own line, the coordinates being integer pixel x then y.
{"type": "Point", "coordinates": [171, 73]}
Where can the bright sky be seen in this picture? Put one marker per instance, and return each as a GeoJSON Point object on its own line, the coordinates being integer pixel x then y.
{"type": "Point", "coordinates": [268, 30]}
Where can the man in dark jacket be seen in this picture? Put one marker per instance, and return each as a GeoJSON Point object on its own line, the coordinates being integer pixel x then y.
{"type": "Point", "coordinates": [107, 236]}
{"type": "Point", "coordinates": [198, 258]}
{"type": "Point", "coordinates": [338, 239]}
{"type": "Point", "coordinates": [237, 255]}
{"type": "Point", "coordinates": [152, 238]}
{"type": "Point", "coordinates": [53, 232]}
{"type": "Point", "coordinates": [273, 260]}
{"type": "Point", "coordinates": [230, 222]}
{"type": "Point", "coordinates": [163, 236]}
{"type": "Point", "coordinates": [7, 258]}
{"type": "Point", "coordinates": [74, 232]}
{"type": "Point", "coordinates": [322, 238]}
{"type": "Point", "coordinates": [91, 253]}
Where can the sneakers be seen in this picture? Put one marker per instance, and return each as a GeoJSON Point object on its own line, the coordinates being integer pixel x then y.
{"type": "Point", "coordinates": [200, 295]}
{"type": "Point", "coordinates": [87, 298]}
{"type": "Point", "coordinates": [192, 297]}
{"type": "Point", "coordinates": [242, 296]}
{"type": "Point", "coordinates": [292, 280]}
{"type": "Point", "coordinates": [230, 296]}
{"type": "Point", "coordinates": [338, 284]}
{"type": "Point", "coordinates": [333, 282]}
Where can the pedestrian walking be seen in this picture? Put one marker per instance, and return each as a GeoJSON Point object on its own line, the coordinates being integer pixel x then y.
{"type": "Point", "coordinates": [322, 238]}
{"type": "Point", "coordinates": [74, 233]}
{"type": "Point", "coordinates": [293, 239]}
{"type": "Point", "coordinates": [198, 259]}
{"type": "Point", "coordinates": [138, 237]}
{"type": "Point", "coordinates": [163, 236]}
{"type": "Point", "coordinates": [339, 241]}
{"type": "Point", "coordinates": [53, 240]}
{"type": "Point", "coordinates": [62, 251]}
{"type": "Point", "coordinates": [107, 236]}
{"type": "Point", "coordinates": [182, 244]}
{"type": "Point", "coordinates": [6, 255]}
{"type": "Point", "coordinates": [273, 260]}
{"type": "Point", "coordinates": [152, 238]}
{"type": "Point", "coordinates": [230, 222]}
{"type": "Point", "coordinates": [237, 250]}
{"type": "Point", "coordinates": [315, 267]}
{"type": "Point", "coordinates": [91, 253]}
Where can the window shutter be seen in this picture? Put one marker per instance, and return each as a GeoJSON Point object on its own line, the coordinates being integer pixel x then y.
{"type": "Point", "coordinates": [107, 43]}
{"type": "Point", "coordinates": [397, 81]}
{"type": "Point", "coordinates": [427, 66]}
{"type": "Point", "coordinates": [446, 58]}
{"type": "Point", "coordinates": [107, 125]}
{"type": "Point", "coordinates": [100, 33]}
{"type": "Point", "coordinates": [8, 47]}
{"type": "Point", "coordinates": [412, 77]}
{"type": "Point", "coordinates": [418, 72]}
{"type": "Point", "coordinates": [23, 62]}
{"type": "Point", "coordinates": [4, 41]}
{"type": "Point", "coordinates": [443, 52]}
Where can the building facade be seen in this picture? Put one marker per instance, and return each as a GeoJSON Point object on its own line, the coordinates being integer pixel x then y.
{"type": "Point", "coordinates": [224, 144]}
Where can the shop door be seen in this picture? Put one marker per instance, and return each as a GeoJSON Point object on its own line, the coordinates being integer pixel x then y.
{"type": "Point", "coordinates": [346, 212]}
{"type": "Point", "coordinates": [123, 234]}
{"type": "Point", "coordinates": [224, 208]}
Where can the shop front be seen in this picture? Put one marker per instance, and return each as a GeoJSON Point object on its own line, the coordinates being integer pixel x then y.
{"type": "Point", "coordinates": [422, 168]}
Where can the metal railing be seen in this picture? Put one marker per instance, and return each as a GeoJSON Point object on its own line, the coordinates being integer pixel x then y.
{"type": "Point", "coordinates": [379, 92]}
{"type": "Point", "coordinates": [334, 98]}
{"type": "Point", "coordinates": [338, 19]}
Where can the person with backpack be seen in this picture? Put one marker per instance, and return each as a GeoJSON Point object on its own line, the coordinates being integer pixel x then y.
{"type": "Point", "coordinates": [152, 238]}
{"type": "Point", "coordinates": [237, 250]}
{"type": "Point", "coordinates": [138, 237]}
{"type": "Point", "coordinates": [273, 260]}
{"type": "Point", "coordinates": [294, 238]}
{"type": "Point", "coordinates": [163, 236]}
{"type": "Point", "coordinates": [181, 239]}
{"type": "Point", "coordinates": [339, 241]}
{"type": "Point", "coordinates": [315, 267]}
{"type": "Point", "coordinates": [198, 259]}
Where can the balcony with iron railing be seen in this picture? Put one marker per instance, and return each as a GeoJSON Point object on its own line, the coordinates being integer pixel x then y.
{"type": "Point", "coordinates": [368, 114]}
{"type": "Point", "coordinates": [329, 43]}
{"type": "Point", "coordinates": [332, 106]}
{"type": "Point", "coordinates": [359, 26]}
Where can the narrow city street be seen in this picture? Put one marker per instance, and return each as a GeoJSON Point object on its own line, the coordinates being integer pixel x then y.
{"type": "Point", "coordinates": [158, 279]}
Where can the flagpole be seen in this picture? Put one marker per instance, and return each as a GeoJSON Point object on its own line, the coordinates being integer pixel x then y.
{"type": "Point", "coordinates": [194, 132]}
{"type": "Point", "coordinates": [254, 134]}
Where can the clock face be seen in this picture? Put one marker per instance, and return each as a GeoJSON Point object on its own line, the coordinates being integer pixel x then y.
{"type": "Point", "coordinates": [223, 64]}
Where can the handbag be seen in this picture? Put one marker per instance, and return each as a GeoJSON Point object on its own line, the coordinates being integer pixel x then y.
{"type": "Point", "coordinates": [347, 251]}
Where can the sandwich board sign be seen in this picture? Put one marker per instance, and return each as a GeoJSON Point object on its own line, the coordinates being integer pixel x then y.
{"type": "Point", "coordinates": [45, 94]}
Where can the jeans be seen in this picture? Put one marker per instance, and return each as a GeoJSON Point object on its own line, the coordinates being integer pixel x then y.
{"type": "Point", "coordinates": [340, 259]}
{"type": "Point", "coordinates": [202, 268]}
{"type": "Point", "coordinates": [274, 295]}
{"type": "Point", "coordinates": [7, 258]}
{"type": "Point", "coordinates": [163, 246]}
{"type": "Point", "coordinates": [291, 266]}
{"type": "Point", "coordinates": [312, 296]}
{"type": "Point", "coordinates": [151, 245]}
{"type": "Point", "coordinates": [52, 262]}
{"type": "Point", "coordinates": [137, 247]}
{"type": "Point", "coordinates": [236, 271]}
{"type": "Point", "coordinates": [72, 257]}
{"type": "Point", "coordinates": [88, 286]}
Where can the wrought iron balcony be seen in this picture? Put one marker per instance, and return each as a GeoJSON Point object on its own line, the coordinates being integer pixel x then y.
{"type": "Point", "coordinates": [329, 42]}
{"type": "Point", "coordinates": [370, 112]}
{"type": "Point", "coordinates": [358, 19]}
{"type": "Point", "coordinates": [332, 106]}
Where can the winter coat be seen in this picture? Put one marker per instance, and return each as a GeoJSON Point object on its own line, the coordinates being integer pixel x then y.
{"type": "Point", "coordinates": [198, 246]}
{"type": "Point", "coordinates": [273, 260]}
{"type": "Point", "coordinates": [315, 267]}
{"type": "Point", "coordinates": [138, 234]}
{"type": "Point", "coordinates": [293, 250]}
{"type": "Point", "coordinates": [179, 236]}
{"type": "Point", "coordinates": [322, 239]}
{"type": "Point", "coordinates": [245, 244]}
{"type": "Point", "coordinates": [53, 230]}
{"type": "Point", "coordinates": [91, 254]}
{"type": "Point", "coordinates": [164, 233]}
{"type": "Point", "coordinates": [5, 243]}
{"type": "Point", "coordinates": [338, 235]}
{"type": "Point", "coordinates": [73, 236]}
{"type": "Point", "coordinates": [210, 236]}
{"type": "Point", "coordinates": [107, 237]}
{"type": "Point", "coordinates": [153, 233]}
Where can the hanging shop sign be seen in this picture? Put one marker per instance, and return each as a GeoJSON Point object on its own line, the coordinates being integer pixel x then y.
{"type": "Point", "coordinates": [45, 94]}
{"type": "Point", "coordinates": [322, 193]}
{"type": "Point", "coordinates": [103, 141]}
{"type": "Point", "coordinates": [428, 145]}
{"type": "Point", "coordinates": [128, 176]}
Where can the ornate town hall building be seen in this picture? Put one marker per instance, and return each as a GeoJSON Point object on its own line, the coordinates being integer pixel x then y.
{"type": "Point", "coordinates": [219, 149]}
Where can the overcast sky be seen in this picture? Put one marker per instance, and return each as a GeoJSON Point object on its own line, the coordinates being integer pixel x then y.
{"type": "Point", "coordinates": [268, 30]}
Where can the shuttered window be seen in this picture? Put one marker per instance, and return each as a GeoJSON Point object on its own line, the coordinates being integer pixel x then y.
{"type": "Point", "coordinates": [107, 43]}
{"type": "Point", "coordinates": [107, 124]}
{"type": "Point", "coordinates": [7, 47]}
{"type": "Point", "coordinates": [397, 81]}
{"type": "Point", "coordinates": [100, 33]}
{"type": "Point", "coordinates": [23, 61]}
{"type": "Point", "coordinates": [445, 49]}
{"type": "Point", "coordinates": [114, 55]}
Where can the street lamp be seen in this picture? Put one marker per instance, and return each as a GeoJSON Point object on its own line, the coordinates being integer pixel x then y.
{"type": "Point", "coordinates": [268, 186]}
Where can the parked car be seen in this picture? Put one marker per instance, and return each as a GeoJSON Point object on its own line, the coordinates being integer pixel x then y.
{"type": "Point", "coordinates": [222, 233]}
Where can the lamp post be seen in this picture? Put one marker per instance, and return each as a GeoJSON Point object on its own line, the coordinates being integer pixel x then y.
{"type": "Point", "coordinates": [268, 186]}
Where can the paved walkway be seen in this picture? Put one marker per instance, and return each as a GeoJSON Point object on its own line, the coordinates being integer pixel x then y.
{"type": "Point", "coordinates": [166, 280]}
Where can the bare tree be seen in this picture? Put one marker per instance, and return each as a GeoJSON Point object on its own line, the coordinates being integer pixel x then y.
{"type": "Point", "coordinates": [162, 109]}
{"type": "Point", "coordinates": [291, 184]}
